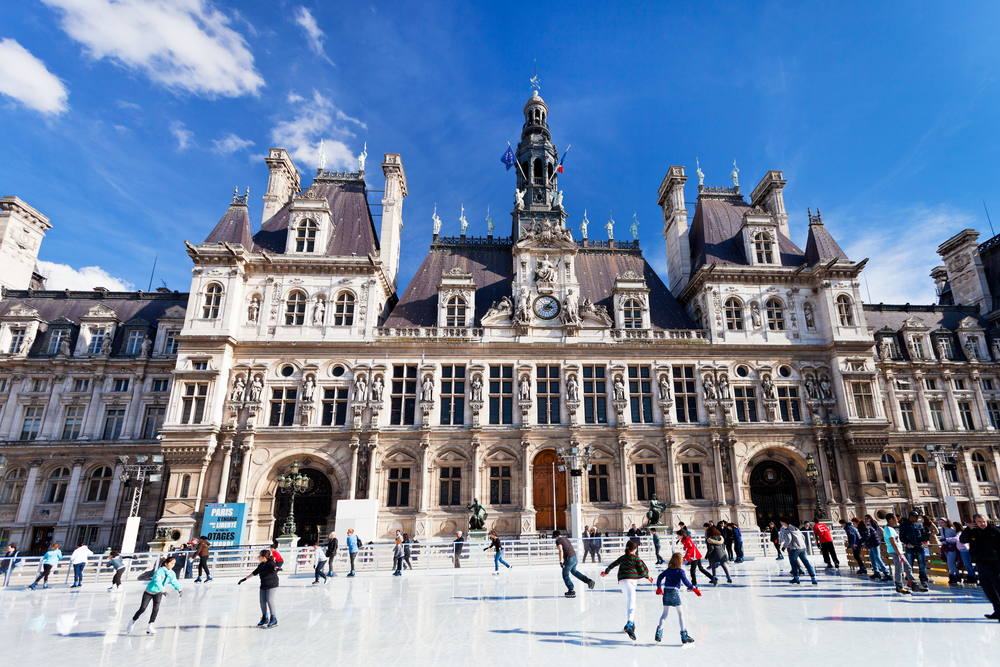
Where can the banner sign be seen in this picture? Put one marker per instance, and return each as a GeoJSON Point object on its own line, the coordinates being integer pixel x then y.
{"type": "Point", "coordinates": [223, 524]}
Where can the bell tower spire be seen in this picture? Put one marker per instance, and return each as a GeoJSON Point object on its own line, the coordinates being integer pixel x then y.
{"type": "Point", "coordinates": [537, 159]}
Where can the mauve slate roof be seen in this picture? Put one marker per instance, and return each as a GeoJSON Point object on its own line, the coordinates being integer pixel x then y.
{"type": "Point", "coordinates": [354, 231]}
{"type": "Point", "coordinates": [234, 227]}
{"type": "Point", "coordinates": [887, 317]}
{"type": "Point", "coordinates": [493, 272]}
{"type": "Point", "coordinates": [715, 235]}
{"type": "Point", "coordinates": [821, 245]}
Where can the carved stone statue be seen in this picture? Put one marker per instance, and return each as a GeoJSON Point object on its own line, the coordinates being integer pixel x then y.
{"type": "Point", "coordinates": [826, 387]}
{"type": "Point", "coordinates": [427, 389]}
{"type": "Point", "coordinates": [701, 174]}
{"type": "Point", "coordinates": [105, 346]}
{"type": "Point", "coordinates": [309, 389]}
{"type": "Point", "coordinates": [239, 388]}
{"type": "Point", "coordinates": [735, 175]}
{"type": "Point", "coordinates": [524, 389]}
{"type": "Point", "coordinates": [147, 345]}
{"type": "Point", "coordinates": [996, 350]}
{"type": "Point", "coordinates": [360, 388]}
{"type": "Point", "coordinates": [655, 512]}
{"type": "Point", "coordinates": [970, 349]}
{"type": "Point", "coordinates": [620, 389]}
{"type": "Point", "coordinates": [767, 387]}
{"type": "Point", "coordinates": [572, 389]}
{"type": "Point", "coordinates": [64, 350]}
{"type": "Point", "coordinates": [942, 352]}
{"type": "Point", "coordinates": [583, 224]}
{"type": "Point", "coordinates": [478, 519]}
{"type": "Point", "coordinates": [811, 391]}
{"type": "Point", "coordinates": [545, 270]}
{"type": "Point", "coordinates": [489, 222]}
{"type": "Point", "coordinates": [362, 158]}
{"type": "Point", "coordinates": [664, 385]}
{"type": "Point", "coordinates": [522, 314]}
{"type": "Point", "coordinates": [610, 227]}
{"type": "Point", "coordinates": [518, 199]}
{"type": "Point", "coordinates": [571, 309]}
{"type": "Point", "coordinates": [635, 227]}
{"type": "Point", "coordinates": [256, 388]}
{"type": "Point", "coordinates": [557, 199]}
{"type": "Point", "coordinates": [709, 385]}
{"type": "Point", "coordinates": [723, 386]}
{"type": "Point", "coordinates": [253, 310]}
{"type": "Point", "coordinates": [755, 315]}
{"type": "Point", "coordinates": [810, 316]}
{"type": "Point", "coordinates": [477, 387]}
{"type": "Point", "coordinates": [377, 387]}
{"type": "Point", "coordinates": [884, 351]}
{"type": "Point", "coordinates": [319, 312]}
{"type": "Point", "coordinates": [462, 221]}
{"type": "Point", "coordinates": [437, 221]}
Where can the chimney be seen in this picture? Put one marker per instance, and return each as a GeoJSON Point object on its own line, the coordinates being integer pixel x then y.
{"type": "Point", "coordinates": [283, 181]}
{"type": "Point", "coordinates": [675, 228]}
{"type": "Point", "coordinates": [768, 195]}
{"type": "Point", "coordinates": [392, 215]}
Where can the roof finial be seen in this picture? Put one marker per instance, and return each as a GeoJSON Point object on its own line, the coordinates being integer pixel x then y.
{"type": "Point", "coordinates": [735, 174]}
{"type": "Point", "coordinates": [534, 80]}
{"type": "Point", "coordinates": [238, 199]}
{"type": "Point", "coordinates": [320, 157]}
{"type": "Point", "coordinates": [815, 219]}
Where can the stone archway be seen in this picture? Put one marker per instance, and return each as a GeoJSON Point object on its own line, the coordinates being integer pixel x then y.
{"type": "Point", "coordinates": [312, 508]}
{"type": "Point", "coordinates": [773, 491]}
{"type": "Point", "coordinates": [549, 491]}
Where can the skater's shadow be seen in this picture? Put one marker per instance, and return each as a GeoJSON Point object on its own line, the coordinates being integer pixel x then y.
{"type": "Point", "coordinates": [883, 619]}
{"type": "Point", "coordinates": [573, 637]}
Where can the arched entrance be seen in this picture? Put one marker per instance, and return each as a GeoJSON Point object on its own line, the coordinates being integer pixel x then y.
{"type": "Point", "coordinates": [312, 508]}
{"type": "Point", "coordinates": [549, 492]}
{"type": "Point", "coordinates": [772, 490]}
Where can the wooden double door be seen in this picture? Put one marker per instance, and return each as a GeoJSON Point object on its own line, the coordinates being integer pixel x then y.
{"type": "Point", "coordinates": [549, 491]}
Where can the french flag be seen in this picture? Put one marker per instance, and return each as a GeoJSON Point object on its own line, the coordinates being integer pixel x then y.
{"type": "Point", "coordinates": [559, 169]}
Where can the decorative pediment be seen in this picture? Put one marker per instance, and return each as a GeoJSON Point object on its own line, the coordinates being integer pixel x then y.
{"type": "Point", "coordinates": [22, 311]}
{"type": "Point", "coordinates": [914, 322]}
{"type": "Point", "coordinates": [970, 323]}
{"type": "Point", "coordinates": [451, 457]}
{"type": "Point", "coordinates": [692, 452]}
{"type": "Point", "coordinates": [501, 456]}
{"type": "Point", "coordinates": [100, 312]}
{"type": "Point", "coordinates": [546, 233]}
{"type": "Point", "coordinates": [398, 457]}
{"type": "Point", "coordinates": [174, 313]}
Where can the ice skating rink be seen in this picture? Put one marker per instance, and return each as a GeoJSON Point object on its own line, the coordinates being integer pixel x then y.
{"type": "Point", "coordinates": [470, 617]}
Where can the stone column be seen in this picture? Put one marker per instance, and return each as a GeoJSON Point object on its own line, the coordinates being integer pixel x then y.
{"type": "Point", "coordinates": [91, 427]}
{"type": "Point", "coordinates": [133, 409]}
{"type": "Point", "coordinates": [227, 458]}
{"type": "Point", "coordinates": [897, 415]}
{"type": "Point", "coordinates": [623, 453]}
{"type": "Point", "coordinates": [910, 479]}
{"type": "Point", "coordinates": [734, 473]}
{"type": "Point", "coordinates": [529, 501]}
{"type": "Point", "coordinates": [113, 493]}
{"type": "Point", "coordinates": [720, 488]}
{"type": "Point", "coordinates": [425, 478]}
{"type": "Point", "coordinates": [972, 485]}
{"type": "Point", "coordinates": [824, 469]}
{"type": "Point", "coordinates": [923, 406]}
{"type": "Point", "coordinates": [984, 415]}
{"type": "Point", "coordinates": [68, 512]}
{"type": "Point", "coordinates": [241, 497]}
{"type": "Point", "coordinates": [354, 470]}
{"type": "Point", "coordinates": [956, 416]}
{"type": "Point", "coordinates": [30, 492]}
{"type": "Point", "coordinates": [668, 450]}
{"type": "Point", "coordinates": [474, 481]}
{"type": "Point", "coordinates": [53, 416]}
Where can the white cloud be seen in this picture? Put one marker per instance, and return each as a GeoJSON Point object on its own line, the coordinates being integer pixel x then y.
{"type": "Point", "coordinates": [183, 44]}
{"type": "Point", "coordinates": [122, 104]}
{"type": "Point", "coordinates": [64, 276]}
{"type": "Point", "coordinates": [26, 79]}
{"type": "Point", "coordinates": [316, 119]}
{"type": "Point", "coordinates": [230, 144]}
{"type": "Point", "coordinates": [902, 247]}
{"type": "Point", "coordinates": [184, 136]}
{"type": "Point", "coordinates": [304, 18]}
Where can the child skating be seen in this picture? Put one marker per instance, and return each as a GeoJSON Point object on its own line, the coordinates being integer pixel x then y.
{"type": "Point", "coordinates": [163, 577]}
{"type": "Point", "coordinates": [268, 571]}
{"type": "Point", "coordinates": [630, 570]}
{"type": "Point", "coordinates": [668, 584]}
{"type": "Point", "coordinates": [117, 563]}
{"type": "Point", "coordinates": [49, 560]}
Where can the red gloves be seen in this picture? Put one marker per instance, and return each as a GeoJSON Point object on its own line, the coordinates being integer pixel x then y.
{"type": "Point", "coordinates": [659, 591]}
{"type": "Point", "coordinates": [696, 591]}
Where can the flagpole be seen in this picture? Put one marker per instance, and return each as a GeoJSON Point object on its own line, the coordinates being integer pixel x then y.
{"type": "Point", "coordinates": [563, 158]}
{"type": "Point", "coordinates": [518, 165]}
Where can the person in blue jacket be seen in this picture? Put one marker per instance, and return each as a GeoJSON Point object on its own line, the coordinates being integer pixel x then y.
{"type": "Point", "coordinates": [49, 560]}
{"type": "Point", "coordinates": [668, 584]}
{"type": "Point", "coordinates": [163, 577]}
{"type": "Point", "coordinates": [353, 545]}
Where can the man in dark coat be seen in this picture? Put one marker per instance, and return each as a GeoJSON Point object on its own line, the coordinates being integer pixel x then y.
{"type": "Point", "coordinates": [984, 550]}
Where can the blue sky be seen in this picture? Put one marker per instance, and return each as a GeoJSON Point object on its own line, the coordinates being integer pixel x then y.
{"type": "Point", "coordinates": [129, 122]}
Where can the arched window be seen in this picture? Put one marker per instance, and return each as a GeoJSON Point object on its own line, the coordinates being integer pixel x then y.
{"type": "Point", "coordinates": [305, 238]}
{"type": "Point", "coordinates": [55, 492]}
{"type": "Point", "coordinates": [185, 486]}
{"type": "Point", "coordinates": [845, 310]}
{"type": "Point", "coordinates": [295, 308]}
{"type": "Point", "coordinates": [920, 468]}
{"type": "Point", "coordinates": [100, 484]}
{"type": "Point", "coordinates": [775, 315]}
{"type": "Point", "coordinates": [213, 299]}
{"type": "Point", "coordinates": [870, 472]}
{"type": "Point", "coordinates": [343, 313]}
{"type": "Point", "coordinates": [889, 473]}
{"type": "Point", "coordinates": [455, 316]}
{"type": "Point", "coordinates": [734, 314]}
{"type": "Point", "coordinates": [981, 468]}
{"type": "Point", "coordinates": [538, 173]}
{"type": "Point", "coordinates": [762, 248]}
{"type": "Point", "coordinates": [13, 486]}
{"type": "Point", "coordinates": [632, 315]}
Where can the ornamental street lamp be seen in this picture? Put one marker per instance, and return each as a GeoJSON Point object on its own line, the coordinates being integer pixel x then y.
{"type": "Point", "coordinates": [135, 475]}
{"type": "Point", "coordinates": [293, 483]}
{"type": "Point", "coordinates": [576, 459]}
{"type": "Point", "coordinates": [945, 464]}
{"type": "Point", "coordinates": [812, 472]}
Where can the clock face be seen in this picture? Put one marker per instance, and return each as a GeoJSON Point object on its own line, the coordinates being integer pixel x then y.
{"type": "Point", "coordinates": [546, 307]}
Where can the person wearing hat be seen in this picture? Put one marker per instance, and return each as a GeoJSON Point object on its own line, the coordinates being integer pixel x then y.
{"type": "Point", "coordinates": [914, 536]}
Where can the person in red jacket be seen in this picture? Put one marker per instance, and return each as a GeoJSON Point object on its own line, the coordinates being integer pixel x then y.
{"type": "Point", "coordinates": [825, 540]}
{"type": "Point", "coordinates": [692, 556]}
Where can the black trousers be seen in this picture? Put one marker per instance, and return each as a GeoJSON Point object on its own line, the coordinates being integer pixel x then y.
{"type": "Point", "coordinates": [695, 566]}
{"type": "Point", "coordinates": [829, 554]}
{"type": "Point", "coordinates": [203, 566]}
{"type": "Point", "coordinates": [117, 581]}
{"type": "Point", "coordinates": [146, 597]}
{"type": "Point", "coordinates": [989, 579]}
{"type": "Point", "coordinates": [729, 548]}
{"type": "Point", "coordinates": [857, 558]}
{"type": "Point", "coordinates": [44, 574]}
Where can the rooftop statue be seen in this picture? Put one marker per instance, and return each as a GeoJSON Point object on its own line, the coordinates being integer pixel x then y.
{"type": "Point", "coordinates": [362, 158]}
{"type": "Point", "coordinates": [518, 199]}
{"type": "Point", "coordinates": [489, 222]}
{"type": "Point", "coordinates": [735, 175]}
{"type": "Point", "coordinates": [463, 221]}
{"type": "Point", "coordinates": [583, 225]}
{"type": "Point", "coordinates": [635, 227]}
{"type": "Point", "coordinates": [701, 174]}
{"type": "Point", "coordinates": [610, 226]}
{"type": "Point", "coordinates": [321, 157]}
{"type": "Point", "coordinates": [437, 221]}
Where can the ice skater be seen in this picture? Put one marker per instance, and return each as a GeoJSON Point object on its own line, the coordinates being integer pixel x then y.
{"type": "Point", "coordinates": [78, 560]}
{"type": "Point", "coordinates": [163, 577]}
{"type": "Point", "coordinates": [656, 547]}
{"type": "Point", "coordinates": [668, 584]}
{"type": "Point", "coordinates": [319, 554]}
{"type": "Point", "coordinates": [630, 570]}
{"type": "Point", "coordinates": [397, 558]}
{"type": "Point", "coordinates": [792, 539]}
{"type": "Point", "coordinates": [117, 563]}
{"type": "Point", "coordinates": [902, 571]}
{"type": "Point", "coordinates": [353, 545]}
{"type": "Point", "coordinates": [267, 568]}
{"type": "Point", "coordinates": [775, 539]}
{"type": "Point", "coordinates": [49, 560]}
{"type": "Point", "coordinates": [498, 552]}
{"type": "Point", "coordinates": [406, 552]}
{"type": "Point", "coordinates": [692, 556]}
{"type": "Point", "coordinates": [567, 561]}
{"type": "Point", "coordinates": [331, 553]}
{"type": "Point", "coordinates": [717, 555]}
{"type": "Point", "coordinates": [202, 553]}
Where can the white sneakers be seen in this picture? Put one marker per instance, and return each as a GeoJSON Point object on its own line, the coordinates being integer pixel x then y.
{"type": "Point", "coordinates": [150, 630]}
{"type": "Point", "coordinates": [131, 624]}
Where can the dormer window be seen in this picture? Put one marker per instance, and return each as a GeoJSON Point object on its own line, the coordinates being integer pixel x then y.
{"type": "Point", "coordinates": [134, 344]}
{"type": "Point", "coordinates": [56, 338]}
{"type": "Point", "coordinates": [775, 315]}
{"type": "Point", "coordinates": [762, 248]}
{"type": "Point", "coordinates": [295, 309]}
{"type": "Point", "coordinates": [305, 238]}
{"type": "Point", "coordinates": [96, 340]}
{"type": "Point", "coordinates": [213, 299]}
{"type": "Point", "coordinates": [343, 312]}
{"type": "Point", "coordinates": [456, 312]}
{"type": "Point", "coordinates": [734, 314]}
{"type": "Point", "coordinates": [16, 340]}
{"type": "Point", "coordinates": [170, 346]}
{"type": "Point", "coordinates": [845, 310]}
{"type": "Point", "coordinates": [632, 315]}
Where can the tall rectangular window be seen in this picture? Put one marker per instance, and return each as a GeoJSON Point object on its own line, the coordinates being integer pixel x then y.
{"type": "Point", "coordinates": [930, 383]}
{"type": "Point", "coordinates": [863, 404]}
{"type": "Point", "coordinates": [39, 384]}
{"type": "Point", "coordinates": [81, 384]}
{"type": "Point", "coordinates": [114, 419]}
{"type": "Point", "coordinates": [404, 394]}
{"type": "Point", "coordinates": [501, 394]}
{"type": "Point", "coordinates": [965, 410]}
{"type": "Point", "coordinates": [599, 482]}
{"type": "Point", "coordinates": [161, 384]}
{"type": "Point", "coordinates": [788, 404]}
{"type": "Point", "coordinates": [16, 341]}
{"type": "Point", "coordinates": [548, 394]}
{"type": "Point", "coordinates": [120, 384]}
{"type": "Point", "coordinates": [987, 384]}
{"type": "Point", "coordinates": [399, 487]}
{"type": "Point", "coordinates": [452, 394]}
{"type": "Point", "coordinates": [56, 338]}
{"type": "Point", "coordinates": [335, 406]}
{"type": "Point", "coordinates": [134, 344]}
{"type": "Point", "coordinates": [746, 403]}
{"type": "Point", "coordinates": [283, 406]}
{"type": "Point", "coordinates": [96, 341]}
{"type": "Point", "coordinates": [153, 421]}
{"type": "Point", "coordinates": [685, 395]}
{"type": "Point", "coordinates": [645, 480]}
{"type": "Point", "coordinates": [958, 384]}
{"type": "Point", "coordinates": [691, 475]}
{"type": "Point", "coordinates": [32, 422]}
{"type": "Point", "coordinates": [595, 395]}
{"type": "Point", "coordinates": [451, 486]}
{"type": "Point", "coordinates": [993, 407]}
{"type": "Point", "coordinates": [171, 343]}
{"type": "Point", "coordinates": [937, 414]}
{"type": "Point", "coordinates": [193, 403]}
{"type": "Point", "coordinates": [640, 389]}
{"type": "Point", "coordinates": [918, 346]}
{"type": "Point", "coordinates": [73, 422]}
{"type": "Point", "coordinates": [500, 485]}
{"type": "Point", "coordinates": [909, 416]}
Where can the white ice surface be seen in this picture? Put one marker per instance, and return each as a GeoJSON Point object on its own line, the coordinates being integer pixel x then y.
{"type": "Point", "coordinates": [470, 617]}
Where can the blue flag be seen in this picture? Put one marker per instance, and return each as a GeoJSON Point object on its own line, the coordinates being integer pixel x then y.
{"type": "Point", "coordinates": [508, 158]}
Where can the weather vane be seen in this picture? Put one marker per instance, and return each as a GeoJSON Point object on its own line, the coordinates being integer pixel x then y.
{"type": "Point", "coordinates": [534, 79]}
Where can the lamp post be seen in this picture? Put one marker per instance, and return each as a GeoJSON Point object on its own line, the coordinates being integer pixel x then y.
{"type": "Point", "coordinates": [575, 458]}
{"type": "Point", "coordinates": [293, 483]}
{"type": "Point", "coordinates": [945, 463]}
{"type": "Point", "coordinates": [135, 475]}
{"type": "Point", "coordinates": [812, 472]}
